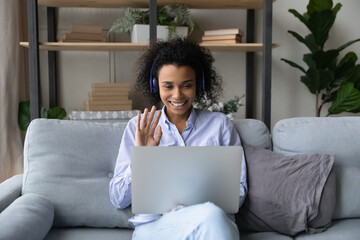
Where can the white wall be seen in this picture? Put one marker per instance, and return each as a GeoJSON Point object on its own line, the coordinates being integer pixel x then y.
{"type": "Point", "coordinates": [290, 98]}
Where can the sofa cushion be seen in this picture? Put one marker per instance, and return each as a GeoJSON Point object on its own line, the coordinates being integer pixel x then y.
{"type": "Point", "coordinates": [334, 135]}
{"type": "Point", "coordinates": [253, 132]}
{"type": "Point", "coordinates": [347, 229]}
{"type": "Point", "coordinates": [72, 163]}
{"type": "Point", "coordinates": [28, 217]}
{"type": "Point", "coordinates": [79, 233]}
{"type": "Point", "coordinates": [285, 192]}
{"type": "Point", "coordinates": [263, 236]}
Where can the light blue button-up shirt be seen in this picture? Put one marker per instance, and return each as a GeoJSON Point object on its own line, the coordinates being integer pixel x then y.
{"type": "Point", "coordinates": [203, 128]}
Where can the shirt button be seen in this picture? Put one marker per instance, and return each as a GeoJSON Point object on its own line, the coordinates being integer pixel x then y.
{"type": "Point", "coordinates": [110, 174]}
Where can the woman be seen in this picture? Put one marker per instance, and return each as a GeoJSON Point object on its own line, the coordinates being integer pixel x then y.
{"type": "Point", "coordinates": [177, 73]}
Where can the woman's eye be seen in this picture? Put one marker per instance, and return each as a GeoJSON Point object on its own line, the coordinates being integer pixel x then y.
{"type": "Point", "coordinates": [168, 86]}
{"type": "Point", "coordinates": [187, 85]}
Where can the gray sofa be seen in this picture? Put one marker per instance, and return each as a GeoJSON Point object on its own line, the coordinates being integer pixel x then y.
{"type": "Point", "coordinates": [63, 193]}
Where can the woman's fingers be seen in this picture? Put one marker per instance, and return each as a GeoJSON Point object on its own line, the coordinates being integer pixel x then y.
{"type": "Point", "coordinates": [158, 135]}
{"type": "Point", "coordinates": [156, 121]}
{"type": "Point", "coordinates": [151, 116]}
{"type": "Point", "coordinates": [144, 118]}
{"type": "Point", "coordinates": [138, 122]}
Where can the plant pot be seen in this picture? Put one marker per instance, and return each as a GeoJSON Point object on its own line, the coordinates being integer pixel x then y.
{"type": "Point", "coordinates": [140, 33]}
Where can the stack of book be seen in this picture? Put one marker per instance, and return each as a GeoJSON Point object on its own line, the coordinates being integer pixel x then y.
{"type": "Point", "coordinates": [108, 97]}
{"type": "Point", "coordinates": [220, 36]}
{"type": "Point", "coordinates": [83, 33]}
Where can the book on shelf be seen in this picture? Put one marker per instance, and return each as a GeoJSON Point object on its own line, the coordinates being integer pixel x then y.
{"type": "Point", "coordinates": [98, 89]}
{"type": "Point", "coordinates": [224, 32]}
{"type": "Point", "coordinates": [108, 107]}
{"type": "Point", "coordinates": [228, 41]}
{"type": "Point", "coordinates": [108, 93]}
{"type": "Point", "coordinates": [223, 37]}
{"type": "Point", "coordinates": [108, 102]}
{"type": "Point", "coordinates": [86, 28]}
{"type": "Point", "coordinates": [111, 85]}
{"type": "Point", "coordinates": [108, 98]}
{"type": "Point", "coordinates": [82, 37]}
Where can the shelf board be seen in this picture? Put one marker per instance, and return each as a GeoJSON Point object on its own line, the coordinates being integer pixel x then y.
{"type": "Point", "coordinates": [106, 46]}
{"type": "Point", "coordinates": [206, 4]}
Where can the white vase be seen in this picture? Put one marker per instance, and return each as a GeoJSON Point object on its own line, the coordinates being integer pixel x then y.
{"type": "Point", "coordinates": [140, 33]}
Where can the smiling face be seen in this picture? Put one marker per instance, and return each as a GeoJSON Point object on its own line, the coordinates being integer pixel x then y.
{"type": "Point", "coordinates": [177, 88]}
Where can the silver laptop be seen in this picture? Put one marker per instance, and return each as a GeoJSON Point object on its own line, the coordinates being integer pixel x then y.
{"type": "Point", "coordinates": [164, 177]}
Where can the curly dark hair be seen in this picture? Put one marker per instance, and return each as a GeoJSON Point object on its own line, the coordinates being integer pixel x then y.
{"type": "Point", "coordinates": [178, 52]}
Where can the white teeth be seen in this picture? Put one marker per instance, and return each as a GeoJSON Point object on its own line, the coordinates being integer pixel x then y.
{"type": "Point", "coordinates": [177, 104]}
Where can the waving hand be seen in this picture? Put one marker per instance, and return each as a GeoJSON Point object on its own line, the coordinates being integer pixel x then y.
{"type": "Point", "coordinates": [145, 129]}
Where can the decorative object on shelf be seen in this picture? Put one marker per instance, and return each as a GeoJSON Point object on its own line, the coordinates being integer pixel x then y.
{"type": "Point", "coordinates": [103, 115]}
{"type": "Point", "coordinates": [221, 36]}
{"type": "Point", "coordinates": [228, 108]}
{"type": "Point", "coordinates": [83, 33]}
{"type": "Point", "coordinates": [108, 97]}
{"type": "Point", "coordinates": [172, 15]}
{"type": "Point", "coordinates": [140, 33]}
{"type": "Point", "coordinates": [332, 81]}
{"type": "Point", "coordinates": [24, 114]}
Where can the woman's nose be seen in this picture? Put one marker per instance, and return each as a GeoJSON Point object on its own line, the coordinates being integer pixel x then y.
{"type": "Point", "coordinates": [177, 92]}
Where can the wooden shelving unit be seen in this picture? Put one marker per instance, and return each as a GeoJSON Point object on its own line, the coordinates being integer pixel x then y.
{"type": "Point", "coordinates": [52, 46]}
{"type": "Point", "coordinates": [105, 46]}
{"type": "Point", "coordinates": [201, 4]}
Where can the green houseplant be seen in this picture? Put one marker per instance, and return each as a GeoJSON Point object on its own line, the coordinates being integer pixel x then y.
{"type": "Point", "coordinates": [331, 80]}
{"type": "Point", "coordinates": [171, 15]}
{"type": "Point", "coordinates": [24, 114]}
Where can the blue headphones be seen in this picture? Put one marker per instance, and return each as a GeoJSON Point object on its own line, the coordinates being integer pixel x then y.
{"type": "Point", "coordinates": [200, 86]}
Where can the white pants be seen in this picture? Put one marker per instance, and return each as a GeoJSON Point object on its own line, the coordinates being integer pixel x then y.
{"type": "Point", "coordinates": [203, 221]}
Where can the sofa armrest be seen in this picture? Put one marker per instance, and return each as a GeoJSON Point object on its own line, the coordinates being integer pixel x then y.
{"type": "Point", "coordinates": [10, 190]}
{"type": "Point", "coordinates": [30, 216]}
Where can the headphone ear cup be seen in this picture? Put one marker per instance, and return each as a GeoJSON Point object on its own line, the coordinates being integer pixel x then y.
{"type": "Point", "coordinates": [154, 84]}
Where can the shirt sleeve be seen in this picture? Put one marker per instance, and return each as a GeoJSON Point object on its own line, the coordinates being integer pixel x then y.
{"type": "Point", "coordinates": [120, 184]}
{"type": "Point", "coordinates": [230, 137]}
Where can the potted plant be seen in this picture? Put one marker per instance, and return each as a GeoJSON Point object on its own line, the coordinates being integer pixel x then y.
{"type": "Point", "coordinates": [331, 80]}
{"type": "Point", "coordinates": [173, 19]}
{"type": "Point", "coordinates": [24, 114]}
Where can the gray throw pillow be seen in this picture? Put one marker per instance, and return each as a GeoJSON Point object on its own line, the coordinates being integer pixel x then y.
{"type": "Point", "coordinates": [285, 192]}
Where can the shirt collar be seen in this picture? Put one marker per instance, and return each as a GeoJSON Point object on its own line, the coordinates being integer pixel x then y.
{"type": "Point", "coordinates": [189, 123]}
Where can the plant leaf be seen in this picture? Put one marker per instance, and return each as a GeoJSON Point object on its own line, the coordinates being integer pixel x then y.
{"type": "Point", "coordinates": [309, 60]}
{"type": "Point", "coordinates": [342, 47]}
{"type": "Point", "coordinates": [309, 40]}
{"type": "Point", "coordinates": [318, 6]}
{"type": "Point", "coordinates": [303, 19]}
{"type": "Point", "coordinates": [132, 16]}
{"type": "Point", "coordinates": [326, 59]}
{"type": "Point", "coordinates": [311, 80]}
{"type": "Point", "coordinates": [347, 99]}
{"type": "Point", "coordinates": [56, 113]}
{"type": "Point", "coordinates": [355, 78]}
{"type": "Point", "coordinates": [24, 115]}
{"type": "Point", "coordinates": [346, 68]}
{"type": "Point", "coordinates": [320, 24]}
{"type": "Point", "coordinates": [291, 63]}
{"type": "Point", "coordinates": [326, 78]}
